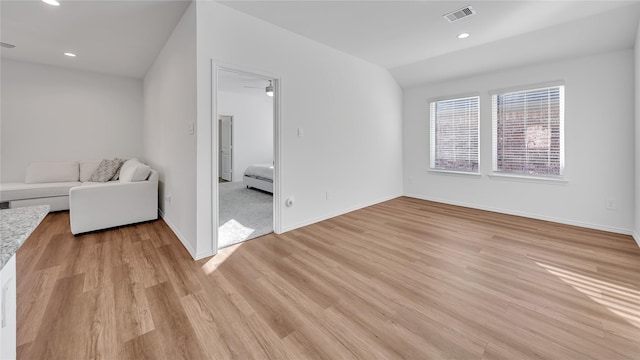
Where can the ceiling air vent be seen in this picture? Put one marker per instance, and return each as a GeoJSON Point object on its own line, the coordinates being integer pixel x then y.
{"type": "Point", "coordinates": [459, 14]}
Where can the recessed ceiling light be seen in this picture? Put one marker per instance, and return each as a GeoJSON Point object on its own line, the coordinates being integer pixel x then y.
{"type": "Point", "coordinates": [51, 2]}
{"type": "Point", "coordinates": [70, 54]}
{"type": "Point", "coordinates": [463, 36]}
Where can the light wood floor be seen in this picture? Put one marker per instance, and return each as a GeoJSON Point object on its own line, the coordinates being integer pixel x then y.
{"type": "Point", "coordinates": [402, 279]}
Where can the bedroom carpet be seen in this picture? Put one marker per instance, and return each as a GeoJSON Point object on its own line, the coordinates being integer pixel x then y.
{"type": "Point", "coordinates": [244, 213]}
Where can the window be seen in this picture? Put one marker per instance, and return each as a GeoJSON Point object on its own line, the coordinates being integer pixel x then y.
{"type": "Point", "coordinates": [454, 134]}
{"type": "Point", "coordinates": [528, 132]}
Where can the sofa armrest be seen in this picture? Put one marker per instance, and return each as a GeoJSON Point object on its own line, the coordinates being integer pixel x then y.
{"type": "Point", "coordinates": [102, 206]}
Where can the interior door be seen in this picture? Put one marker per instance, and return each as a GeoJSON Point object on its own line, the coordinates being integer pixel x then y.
{"type": "Point", "coordinates": [226, 147]}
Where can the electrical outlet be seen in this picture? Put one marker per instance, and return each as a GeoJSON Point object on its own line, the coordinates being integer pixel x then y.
{"type": "Point", "coordinates": [167, 198]}
{"type": "Point", "coordinates": [327, 195]}
{"type": "Point", "coordinates": [611, 204]}
{"type": "Point", "coordinates": [410, 180]}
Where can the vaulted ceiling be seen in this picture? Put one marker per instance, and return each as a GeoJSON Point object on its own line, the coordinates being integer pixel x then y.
{"type": "Point", "coordinates": [410, 38]}
{"type": "Point", "coordinates": [112, 37]}
{"type": "Point", "coordinates": [417, 44]}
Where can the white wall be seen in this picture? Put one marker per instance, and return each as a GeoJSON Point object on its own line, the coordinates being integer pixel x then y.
{"type": "Point", "coordinates": [169, 109]}
{"type": "Point", "coordinates": [252, 128]}
{"type": "Point", "coordinates": [56, 114]}
{"type": "Point", "coordinates": [598, 135]}
{"type": "Point", "coordinates": [636, 234]}
{"type": "Point", "coordinates": [350, 110]}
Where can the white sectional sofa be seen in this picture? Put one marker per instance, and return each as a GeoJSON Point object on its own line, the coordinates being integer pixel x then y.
{"type": "Point", "coordinates": [92, 205]}
{"type": "Point", "coordinates": [47, 183]}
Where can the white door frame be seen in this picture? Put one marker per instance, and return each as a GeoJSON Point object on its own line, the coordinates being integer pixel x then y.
{"type": "Point", "coordinates": [277, 146]}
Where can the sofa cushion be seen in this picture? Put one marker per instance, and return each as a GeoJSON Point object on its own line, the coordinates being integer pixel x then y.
{"type": "Point", "coordinates": [56, 203]}
{"type": "Point", "coordinates": [106, 170]}
{"type": "Point", "coordinates": [17, 191]}
{"type": "Point", "coordinates": [87, 168]}
{"type": "Point", "coordinates": [133, 170]}
{"type": "Point", "coordinates": [117, 175]}
{"type": "Point", "coordinates": [90, 183]}
{"type": "Point", "coordinates": [52, 171]}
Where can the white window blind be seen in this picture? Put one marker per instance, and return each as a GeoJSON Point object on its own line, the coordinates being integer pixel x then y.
{"type": "Point", "coordinates": [454, 134]}
{"type": "Point", "coordinates": [528, 132]}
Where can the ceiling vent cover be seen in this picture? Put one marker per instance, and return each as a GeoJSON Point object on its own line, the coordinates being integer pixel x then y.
{"type": "Point", "coordinates": [459, 14]}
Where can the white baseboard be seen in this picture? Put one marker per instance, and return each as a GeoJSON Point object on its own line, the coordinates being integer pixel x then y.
{"type": "Point", "coordinates": [636, 237]}
{"type": "Point", "coordinates": [178, 234]}
{"type": "Point", "coordinates": [337, 213]}
{"type": "Point", "coordinates": [528, 215]}
{"type": "Point", "coordinates": [203, 254]}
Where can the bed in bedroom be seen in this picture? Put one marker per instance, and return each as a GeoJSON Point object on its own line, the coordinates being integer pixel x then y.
{"type": "Point", "coordinates": [259, 176]}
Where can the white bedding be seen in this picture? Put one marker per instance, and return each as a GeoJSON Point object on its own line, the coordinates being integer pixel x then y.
{"type": "Point", "coordinates": [260, 171]}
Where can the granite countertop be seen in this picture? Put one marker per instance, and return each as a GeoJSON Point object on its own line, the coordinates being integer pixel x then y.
{"type": "Point", "coordinates": [15, 227]}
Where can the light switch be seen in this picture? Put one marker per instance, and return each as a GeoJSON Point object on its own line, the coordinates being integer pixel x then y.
{"type": "Point", "coordinates": [300, 132]}
{"type": "Point", "coordinates": [191, 128]}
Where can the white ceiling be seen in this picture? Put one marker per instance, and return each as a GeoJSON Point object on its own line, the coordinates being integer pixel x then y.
{"type": "Point", "coordinates": [414, 41]}
{"type": "Point", "coordinates": [410, 38]}
{"type": "Point", "coordinates": [113, 37]}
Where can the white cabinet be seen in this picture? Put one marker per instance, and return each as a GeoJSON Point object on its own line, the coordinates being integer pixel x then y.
{"type": "Point", "coordinates": [8, 310]}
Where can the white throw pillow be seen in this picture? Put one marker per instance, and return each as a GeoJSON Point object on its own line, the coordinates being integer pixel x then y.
{"type": "Point", "coordinates": [133, 170]}
{"type": "Point", "coordinates": [129, 164]}
{"type": "Point", "coordinates": [128, 167]}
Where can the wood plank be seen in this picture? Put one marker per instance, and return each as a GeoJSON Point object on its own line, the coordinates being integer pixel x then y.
{"type": "Point", "coordinates": [145, 346]}
{"type": "Point", "coordinates": [177, 337]}
{"type": "Point", "coordinates": [147, 264]}
{"type": "Point", "coordinates": [133, 316]}
{"type": "Point", "coordinates": [403, 279]}
{"type": "Point", "coordinates": [178, 267]}
{"type": "Point", "coordinates": [36, 289]}
{"type": "Point", "coordinates": [59, 324]}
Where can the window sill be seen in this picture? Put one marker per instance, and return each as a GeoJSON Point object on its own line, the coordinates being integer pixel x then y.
{"type": "Point", "coordinates": [525, 178]}
{"type": "Point", "coordinates": [452, 172]}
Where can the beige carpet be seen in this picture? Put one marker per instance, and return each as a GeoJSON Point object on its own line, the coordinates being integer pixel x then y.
{"type": "Point", "coordinates": [244, 213]}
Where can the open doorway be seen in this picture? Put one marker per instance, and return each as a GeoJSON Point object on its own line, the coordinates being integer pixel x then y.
{"type": "Point", "coordinates": [245, 106]}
